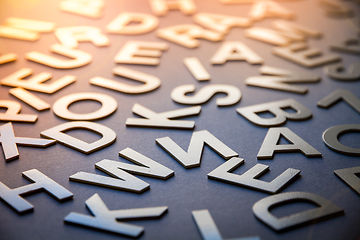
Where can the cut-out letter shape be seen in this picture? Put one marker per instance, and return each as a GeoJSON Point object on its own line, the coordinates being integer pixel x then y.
{"type": "Point", "coordinates": [196, 69]}
{"type": "Point", "coordinates": [351, 45]}
{"type": "Point", "coordinates": [269, 146]}
{"type": "Point", "coordinates": [337, 72]}
{"type": "Point", "coordinates": [235, 50]}
{"type": "Point", "coordinates": [20, 34]}
{"type": "Point", "coordinates": [331, 138]}
{"type": "Point", "coordinates": [350, 177]}
{"type": "Point", "coordinates": [192, 157]}
{"type": "Point", "coordinates": [141, 52]}
{"type": "Point", "coordinates": [208, 228]}
{"type": "Point", "coordinates": [87, 8]}
{"type": "Point", "coordinates": [243, 1]}
{"type": "Point", "coordinates": [300, 53]}
{"type": "Point", "coordinates": [25, 29]}
{"type": "Point", "coordinates": [338, 95]}
{"type": "Point", "coordinates": [178, 94]}
{"type": "Point", "coordinates": [276, 108]}
{"type": "Point", "coordinates": [296, 29]}
{"type": "Point", "coordinates": [60, 107]}
{"type": "Point", "coordinates": [237, 1]}
{"type": "Point", "coordinates": [40, 182]}
{"type": "Point", "coordinates": [71, 36]}
{"type": "Point", "coordinates": [162, 7]}
{"type": "Point", "coordinates": [79, 58]}
{"type": "Point", "coordinates": [11, 114]}
{"type": "Point", "coordinates": [120, 178]}
{"type": "Point", "coordinates": [266, 9]}
{"type": "Point", "coordinates": [146, 166]}
{"type": "Point", "coordinates": [57, 133]}
{"type": "Point", "coordinates": [106, 220]}
{"type": "Point", "coordinates": [150, 82]}
{"type": "Point", "coordinates": [335, 9]}
{"type": "Point", "coordinates": [325, 209]}
{"type": "Point", "coordinates": [250, 178]}
{"type": "Point", "coordinates": [220, 23]}
{"type": "Point", "coordinates": [122, 23]}
{"type": "Point", "coordinates": [285, 32]}
{"type": "Point", "coordinates": [29, 24]}
{"type": "Point", "coordinates": [186, 34]}
{"type": "Point", "coordinates": [9, 142]}
{"type": "Point", "coordinates": [9, 57]}
{"type": "Point", "coordinates": [272, 36]}
{"type": "Point", "coordinates": [29, 99]}
{"type": "Point", "coordinates": [36, 83]}
{"type": "Point", "coordinates": [162, 120]}
{"type": "Point", "coordinates": [282, 79]}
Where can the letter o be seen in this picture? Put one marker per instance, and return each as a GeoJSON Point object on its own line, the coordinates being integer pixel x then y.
{"type": "Point", "coordinates": [60, 107]}
{"type": "Point", "coordinates": [330, 138]}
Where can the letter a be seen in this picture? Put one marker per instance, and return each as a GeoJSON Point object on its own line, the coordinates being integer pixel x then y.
{"type": "Point", "coordinates": [270, 146]}
{"type": "Point", "coordinates": [235, 51]}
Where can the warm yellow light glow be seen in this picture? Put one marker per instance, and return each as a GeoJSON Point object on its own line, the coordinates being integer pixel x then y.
{"type": "Point", "coordinates": [24, 4]}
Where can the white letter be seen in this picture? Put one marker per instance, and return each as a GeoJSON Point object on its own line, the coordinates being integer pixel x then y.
{"type": "Point", "coordinates": [138, 52]}
{"type": "Point", "coordinates": [161, 7]}
{"type": "Point", "coordinates": [121, 24]}
{"type": "Point", "coordinates": [235, 51]}
{"type": "Point", "coordinates": [185, 35]}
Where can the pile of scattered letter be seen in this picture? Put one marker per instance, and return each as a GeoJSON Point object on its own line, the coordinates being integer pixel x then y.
{"type": "Point", "coordinates": [45, 85]}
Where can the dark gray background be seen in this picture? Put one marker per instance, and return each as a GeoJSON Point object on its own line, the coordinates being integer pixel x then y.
{"type": "Point", "coordinates": [230, 206]}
